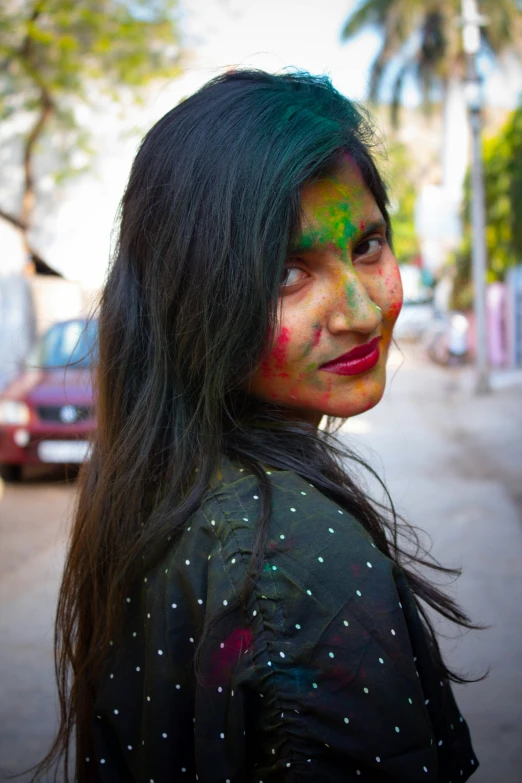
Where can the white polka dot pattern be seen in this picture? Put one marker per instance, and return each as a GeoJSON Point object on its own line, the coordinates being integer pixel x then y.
{"type": "Point", "coordinates": [325, 635]}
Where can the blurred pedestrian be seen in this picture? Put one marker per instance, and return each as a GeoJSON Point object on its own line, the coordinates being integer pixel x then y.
{"type": "Point", "coordinates": [234, 607]}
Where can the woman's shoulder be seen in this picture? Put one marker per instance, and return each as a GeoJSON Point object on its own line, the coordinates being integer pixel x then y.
{"type": "Point", "coordinates": [314, 547]}
{"type": "Point", "coordinates": [316, 555]}
{"type": "Point", "coordinates": [298, 508]}
{"type": "Point", "coordinates": [315, 550]}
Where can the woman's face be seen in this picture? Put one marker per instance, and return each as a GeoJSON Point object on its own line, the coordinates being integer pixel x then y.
{"type": "Point", "coordinates": [341, 291]}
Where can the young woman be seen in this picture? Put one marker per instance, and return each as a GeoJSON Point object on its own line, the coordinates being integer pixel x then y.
{"type": "Point", "coordinates": [234, 608]}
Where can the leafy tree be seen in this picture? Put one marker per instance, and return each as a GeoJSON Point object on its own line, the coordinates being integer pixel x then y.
{"type": "Point", "coordinates": [503, 189]}
{"type": "Point", "coordinates": [52, 52]}
{"type": "Point", "coordinates": [425, 33]}
{"type": "Point", "coordinates": [403, 196]}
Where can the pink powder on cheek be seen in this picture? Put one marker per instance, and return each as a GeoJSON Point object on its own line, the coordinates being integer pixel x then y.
{"type": "Point", "coordinates": [266, 370]}
{"type": "Point", "coordinates": [394, 309]}
{"type": "Point", "coordinates": [277, 356]}
{"type": "Point", "coordinates": [280, 348]}
{"type": "Point", "coordinates": [317, 336]}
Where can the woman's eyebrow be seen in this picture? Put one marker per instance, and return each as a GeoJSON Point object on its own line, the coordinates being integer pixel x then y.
{"type": "Point", "coordinates": [365, 229]}
{"type": "Point", "coordinates": [312, 241]}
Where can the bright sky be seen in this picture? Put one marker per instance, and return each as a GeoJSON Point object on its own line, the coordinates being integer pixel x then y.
{"type": "Point", "coordinates": [268, 34]}
{"type": "Point", "coordinates": [274, 34]}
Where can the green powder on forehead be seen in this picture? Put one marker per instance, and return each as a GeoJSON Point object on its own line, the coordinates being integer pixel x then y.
{"type": "Point", "coordinates": [308, 239]}
{"type": "Point", "coordinates": [334, 228]}
{"type": "Point", "coordinates": [332, 222]}
{"type": "Point", "coordinates": [336, 223]}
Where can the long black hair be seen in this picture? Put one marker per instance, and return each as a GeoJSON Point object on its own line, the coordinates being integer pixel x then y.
{"type": "Point", "coordinates": [187, 310]}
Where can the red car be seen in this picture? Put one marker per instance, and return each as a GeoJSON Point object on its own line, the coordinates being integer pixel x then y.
{"type": "Point", "coordinates": [47, 413]}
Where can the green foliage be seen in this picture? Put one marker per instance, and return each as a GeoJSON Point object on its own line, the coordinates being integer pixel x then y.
{"type": "Point", "coordinates": [403, 195]}
{"type": "Point", "coordinates": [56, 53]}
{"type": "Point", "coordinates": [514, 142]}
{"type": "Point", "coordinates": [502, 155]}
{"type": "Point", "coordinates": [63, 44]}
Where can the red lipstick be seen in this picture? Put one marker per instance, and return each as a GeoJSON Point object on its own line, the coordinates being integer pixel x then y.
{"type": "Point", "coordinates": [356, 361]}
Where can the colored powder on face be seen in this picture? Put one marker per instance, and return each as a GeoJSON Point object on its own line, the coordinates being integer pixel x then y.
{"type": "Point", "coordinates": [307, 240]}
{"type": "Point", "coordinates": [324, 398]}
{"type": "Point", "coordinates": [307, 348]}
{"type": "Point", "coordinates": [352, 294]}
{"type": "Point", "coordinates": [318, 381]}
{"type": "Point", "coordinates": [367, 406]}
{"type": "Point", "coordinates": [335, 216]}
{"type": "Point", "coordinates": [279, 351]}
{"type": "Point", "coordinates": [310, 344]}
{"type": "Point", "coordinates": [331, 222]}
{"type": "Point", "coordinates": [276, 359]}
{"type": "Point", "coordinates": [395, 309]}
{"type": "Point", "coordinates": [334, 228]}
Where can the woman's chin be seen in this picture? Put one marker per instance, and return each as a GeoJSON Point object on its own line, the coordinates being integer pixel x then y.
{"type": "Point", "coordinates": [362, 395]}
{"type": "Point", "coordinates": [341, 405]}
{"type": "Point", "coordinates": [343, 398]}
{"type": "Point", "coordinates": [354, 408]}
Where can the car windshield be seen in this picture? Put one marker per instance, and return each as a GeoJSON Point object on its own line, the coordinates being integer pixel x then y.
{"type": "Point", "coordinates": [70, 344]}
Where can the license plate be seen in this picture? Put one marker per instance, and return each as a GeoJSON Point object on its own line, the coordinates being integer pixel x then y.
{"type": "Point", "coordinates": [63, 450]}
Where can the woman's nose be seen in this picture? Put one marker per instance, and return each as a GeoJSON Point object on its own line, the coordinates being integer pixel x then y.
{"type": "Point", "coordinates": [353, 309]}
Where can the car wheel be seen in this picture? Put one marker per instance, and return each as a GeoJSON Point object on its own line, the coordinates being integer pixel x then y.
{"type": "Point", "coordinates": [11, 473]}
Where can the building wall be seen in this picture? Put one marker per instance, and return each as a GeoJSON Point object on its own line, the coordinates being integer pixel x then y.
{"type": "Point", "coordinates": [29, 305]}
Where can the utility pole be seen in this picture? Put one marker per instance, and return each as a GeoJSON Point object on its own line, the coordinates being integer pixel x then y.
{"type": "Point", "coordinates": [472, 21]}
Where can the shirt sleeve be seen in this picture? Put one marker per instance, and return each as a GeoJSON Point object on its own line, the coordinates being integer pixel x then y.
{"type": "Point", "coordinates": [338, 678]}
{"type": "Point", "coordinates": [324, 675]}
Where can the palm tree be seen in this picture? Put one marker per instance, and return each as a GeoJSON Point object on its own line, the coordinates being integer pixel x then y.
{"type": "Point", "coordinates": [427, 35]}
{"type": "Point", "coordinates": [423, 39]}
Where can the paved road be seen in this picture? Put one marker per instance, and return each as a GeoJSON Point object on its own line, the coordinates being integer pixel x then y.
{"type": "Point", "coordinates": [33, 525]}
{"type": "Point", "coordinates": [453, 464]}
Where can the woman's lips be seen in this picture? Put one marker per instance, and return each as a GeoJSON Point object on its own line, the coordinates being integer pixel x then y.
{"type": "Point", "coordinates": [356, 361]}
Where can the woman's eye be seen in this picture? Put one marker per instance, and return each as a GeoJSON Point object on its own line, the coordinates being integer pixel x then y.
{"type": "Point", "coordinates": [291, 276]}
{"type": "Point", "coordinates": [370, 248]}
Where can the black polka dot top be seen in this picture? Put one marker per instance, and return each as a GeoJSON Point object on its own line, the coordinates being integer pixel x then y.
{"type": "Point", "coordinates": [325, 676]}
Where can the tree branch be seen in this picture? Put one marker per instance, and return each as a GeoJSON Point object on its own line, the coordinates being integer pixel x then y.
{"type": "Point", "coordinates": [41, 266]}
{"type": "Point", "coordinates": [13, 220]}
{"type": "Point", "coordinates": [46, 109]}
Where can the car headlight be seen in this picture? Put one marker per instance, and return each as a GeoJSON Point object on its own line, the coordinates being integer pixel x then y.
{"type": "Point", "coordinates": [14, 412]}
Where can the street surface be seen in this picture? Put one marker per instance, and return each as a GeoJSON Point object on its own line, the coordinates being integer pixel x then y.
{"type": "Point", "coordinates": [453, 465]}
